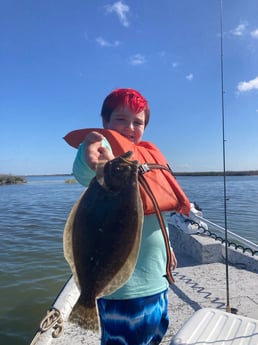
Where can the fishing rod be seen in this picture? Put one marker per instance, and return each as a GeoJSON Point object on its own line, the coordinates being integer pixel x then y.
{"type": "Point", "coordinates": [228, 308]}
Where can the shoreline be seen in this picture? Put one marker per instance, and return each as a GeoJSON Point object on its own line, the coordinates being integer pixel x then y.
{"type": "Point", "coordinates": [7, 179]}
{"type": "Point", "coordinates": [219, 173]}
{"type": "Point", "coordinates": [179, 173]}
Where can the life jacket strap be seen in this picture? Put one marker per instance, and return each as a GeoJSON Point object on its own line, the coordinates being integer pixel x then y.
{"type": "Point", "coordinates": [143, 168]}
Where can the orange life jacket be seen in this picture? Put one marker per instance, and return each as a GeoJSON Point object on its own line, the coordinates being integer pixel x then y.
{"type": "Point", "coordinates": [168, 193]}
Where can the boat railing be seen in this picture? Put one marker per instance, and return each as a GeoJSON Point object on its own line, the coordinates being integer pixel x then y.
{"type": "Point", "coordinates": [195, 223]}
{"type": "Point", "coordinates": [232, 235]}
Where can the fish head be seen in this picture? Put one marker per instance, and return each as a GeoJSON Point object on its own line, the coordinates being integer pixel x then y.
{"type": "Point", "coordinates": [119, 172]}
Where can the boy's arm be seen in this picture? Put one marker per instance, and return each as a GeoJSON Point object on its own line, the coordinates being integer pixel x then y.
{"type": "Point", "coordinates": [173, 260]}
{"type": "Point", "coordinates": [94, 149]}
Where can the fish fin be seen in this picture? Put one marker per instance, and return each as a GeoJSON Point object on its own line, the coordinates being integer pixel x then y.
{"type": "Point", "coordinates": [67, 236]}
{"type": "Point", "coordinates": [85, 317]}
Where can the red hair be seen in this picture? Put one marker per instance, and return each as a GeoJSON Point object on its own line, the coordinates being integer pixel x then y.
{"type": "Point", "coordinates": [122, 97]}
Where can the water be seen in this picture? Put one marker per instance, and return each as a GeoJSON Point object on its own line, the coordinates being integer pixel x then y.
{"type": "Point", "coordinates": [32, 218]}
{"type": "Point", "coordinates": [242, 201]}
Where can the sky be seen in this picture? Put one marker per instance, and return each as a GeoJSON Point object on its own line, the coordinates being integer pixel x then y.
{"type": "Point", "coordinates": [60, 58]}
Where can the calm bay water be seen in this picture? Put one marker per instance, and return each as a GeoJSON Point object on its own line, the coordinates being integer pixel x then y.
{"type": "Point", "coordinates": [32, 218]}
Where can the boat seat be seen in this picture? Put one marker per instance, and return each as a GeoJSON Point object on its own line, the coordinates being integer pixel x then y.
{"type": "Point", "coordinates": [212, 326]}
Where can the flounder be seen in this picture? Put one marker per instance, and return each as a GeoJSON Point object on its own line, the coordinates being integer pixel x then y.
{"type": "Point", "coordinates": [102, 236]}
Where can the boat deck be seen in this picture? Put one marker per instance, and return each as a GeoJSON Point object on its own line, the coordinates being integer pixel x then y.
{"type": "Point", "coordinates": [204, 286]}
{"type": "Point", "coordinates": [197, 285]}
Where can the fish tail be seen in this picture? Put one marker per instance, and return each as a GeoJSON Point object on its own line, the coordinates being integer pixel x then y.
{"type": "Point", "coordinates": [85, 317]}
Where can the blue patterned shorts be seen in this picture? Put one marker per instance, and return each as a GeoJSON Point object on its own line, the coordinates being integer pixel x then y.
{"type": "Point", "coordinates": [137, 321]}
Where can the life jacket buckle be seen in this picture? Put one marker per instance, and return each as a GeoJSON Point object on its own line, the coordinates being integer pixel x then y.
{"type": "Point", "coordinates": [143, 168]}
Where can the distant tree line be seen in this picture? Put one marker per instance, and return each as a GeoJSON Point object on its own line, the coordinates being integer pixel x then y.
{"type": "Point", "coordinates": [218, 173]}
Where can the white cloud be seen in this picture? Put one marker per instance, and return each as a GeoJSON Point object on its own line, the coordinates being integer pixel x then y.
{"type": "Point", "coordinates": [137, 59]}
{"type": "Point", "coordinates": [175, 64]}
{"type": "Point", "coordinates": [254, 33]}
{"type": "Point", "coordinates": [240, 29]}
{"type": "Point", "coordinates": [121, 10]}
{"type": "Point", "coordinates": [103, 43]}
{"type": "Point", "coordinates": [245, 86]}
{"type": "Point", "coordinates": [189, 77]}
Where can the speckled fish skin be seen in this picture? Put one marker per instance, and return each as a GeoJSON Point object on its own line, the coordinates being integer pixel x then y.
{"type": "Point", "coordinates": [102, 236]}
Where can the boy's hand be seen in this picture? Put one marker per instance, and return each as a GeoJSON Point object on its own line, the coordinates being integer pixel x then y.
{"type": "Point", "coordinates": [94, 152]}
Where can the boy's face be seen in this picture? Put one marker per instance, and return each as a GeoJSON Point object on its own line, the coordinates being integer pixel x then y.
{"type": "Point", "coordinates": [127, 123]}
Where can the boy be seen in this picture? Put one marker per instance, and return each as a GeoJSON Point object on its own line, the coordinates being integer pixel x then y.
{"type": "Point", "coordinates": [137, 312]}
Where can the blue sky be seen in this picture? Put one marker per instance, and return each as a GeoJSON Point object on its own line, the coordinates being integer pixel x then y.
{"type": "Point", "coordinates": [60, 58]}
